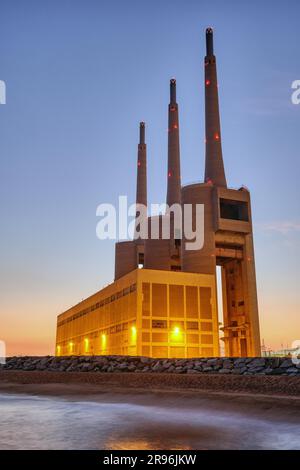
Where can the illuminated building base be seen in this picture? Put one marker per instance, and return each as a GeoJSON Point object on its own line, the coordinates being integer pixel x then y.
{"type": "Point", "coordinates": [146, 312]}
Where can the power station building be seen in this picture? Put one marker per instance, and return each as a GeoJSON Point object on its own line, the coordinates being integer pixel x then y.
{"type": "Point", "coordinates": [163, 301]}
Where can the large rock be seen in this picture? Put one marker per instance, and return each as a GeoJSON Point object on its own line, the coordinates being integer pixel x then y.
{"type": "Point", "coordinates": [224, 371]}
{"type": "Point", "coordinates": [286, 363]}
{"type": "Point", "coordinates": [257, 362]}
{"type": "Point", "coordinates": [112, 363]}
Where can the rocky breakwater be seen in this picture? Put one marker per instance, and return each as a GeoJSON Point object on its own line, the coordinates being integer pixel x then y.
{"type": "Point", "coordinates": [214, 365]}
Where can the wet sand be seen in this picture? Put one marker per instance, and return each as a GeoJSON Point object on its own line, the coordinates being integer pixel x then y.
{"type": "Point", "coordinates": [155, 420]}
{"type": "Point", "coordinates": [254, 384]}
{"type": "Point", "coordinates": [148, 411]}
{"type": "Point", "coordinates": [273, 396]}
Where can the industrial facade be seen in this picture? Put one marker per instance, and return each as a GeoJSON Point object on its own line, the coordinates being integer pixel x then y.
{"type": "Point", "coordinates": [146, 312]}
{"type": "Point", "coordinates": [163, 301]}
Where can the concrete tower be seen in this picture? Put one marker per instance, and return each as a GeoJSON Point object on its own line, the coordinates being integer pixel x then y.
{"type": "Point", "coordinates": [141, 196]}
{"type": "Point", "coordinates": [163, 253]}
{"type": "Point", "coordinates": [228, 238]}
{"type": "Point", "coordinates": [214, 167]}
{"type": "Point", "coordinates": [141, 182]}
{"type": "Point", "coordinates": [130, 254]}
{"type": "Point", "coordinates": [174, 180]}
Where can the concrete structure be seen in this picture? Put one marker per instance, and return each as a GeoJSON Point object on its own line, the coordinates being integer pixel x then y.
{"type": "Point", "coordinates": [169, 308]}
{"type": "Point", "coordinates": [130, 254]}
{"type": "Point", "coordinates": [146, 312]}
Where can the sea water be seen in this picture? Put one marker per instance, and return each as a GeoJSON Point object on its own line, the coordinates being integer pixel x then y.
{"type": "Point", "coordinates": [31, 422]}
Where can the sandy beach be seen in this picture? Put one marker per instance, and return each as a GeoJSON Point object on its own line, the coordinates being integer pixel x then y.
{"type": "Point", "coordinates": [147, 411]}
{"type": "Point", "coordinates": [281, 392]}
{"type": "Point", "coordinates": [258, 384]}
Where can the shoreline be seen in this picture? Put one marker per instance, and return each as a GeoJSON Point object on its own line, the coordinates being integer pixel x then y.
{"type": "Point", "coordinates": [124, 382]}
{"type": "Point", "coordinates": [213, 393]}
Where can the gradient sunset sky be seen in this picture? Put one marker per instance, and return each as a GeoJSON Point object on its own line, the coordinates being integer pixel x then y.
{"type": "Point", "coordinates": [80, 75]}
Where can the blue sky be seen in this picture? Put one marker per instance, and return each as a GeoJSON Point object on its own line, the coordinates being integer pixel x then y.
{"type": "Point", "coordinates": [80, 75]}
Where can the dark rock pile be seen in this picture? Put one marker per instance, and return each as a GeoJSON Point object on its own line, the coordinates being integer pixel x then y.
{"type": "Point", "coordinates": [213, 365]}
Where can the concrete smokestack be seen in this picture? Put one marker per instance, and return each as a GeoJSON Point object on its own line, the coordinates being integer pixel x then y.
{"type": "Point", "coordinates": [141, 183]}
{"type": "Point", "coordinates": [214, 166]}
{"type": "Point", "coordinates": [174, 180]}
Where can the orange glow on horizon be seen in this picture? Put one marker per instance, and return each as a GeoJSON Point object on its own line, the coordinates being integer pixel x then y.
{"type": "Point", "coordinates": [33, 333]}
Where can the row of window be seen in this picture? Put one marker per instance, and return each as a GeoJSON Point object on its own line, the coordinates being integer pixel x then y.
{"type": "Point", "coordinates": [99, 304]}
{"type": "Point", "coordinates": [194, 338]}
{"type": "Point", "coordinates": [177, 351]}
{"type": "Point", "coordinates": [190, 325]}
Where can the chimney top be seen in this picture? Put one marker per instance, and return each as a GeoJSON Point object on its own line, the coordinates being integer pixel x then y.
{"type": "Point", "coordinates": [209, 42]}
{"type": "Point", "coordinates": [142, 132]}
{"type": "Point", "coordinates": [172, 91]}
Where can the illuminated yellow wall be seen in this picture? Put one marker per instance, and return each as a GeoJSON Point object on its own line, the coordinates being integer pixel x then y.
{"type": "Point", "coordinates": [147, 312]}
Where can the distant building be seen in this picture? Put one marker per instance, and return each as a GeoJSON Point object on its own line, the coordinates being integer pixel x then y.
{"type": "Point", "coordinates": [169, 307]}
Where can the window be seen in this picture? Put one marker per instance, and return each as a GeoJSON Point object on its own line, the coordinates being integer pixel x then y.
{"type": "Point", "coordinates": [205, 305]}
{"type": "Point", "coordinates": [176, 301]}
{"type": "Point", "coordinates": [146, 299]}
{"type": "Point", "coordinates": [145, 323]}
{"type": "Point", "coordinates": [206, 339]}
{"type": "Point", "coordinates": [192, 325]}
{"type": "Point", "coordinates": [206, 326]}
{"type": "Point", "coordinates": [234, 210]}
{"type": "Point", "coordinates": [177, 242]}
{"type": "Point", "coordinates": [175, 268]}
{"type": "Point", "coordinates": [191, 301]}
{"type": "Point", "coordinates": [159, 337]}
{"type": "Point", "coordinates": [159, 300]}
{"type": "Point", "coordinates": [159, 323]}
{"type": "Point", "coordinates": [141, 260]}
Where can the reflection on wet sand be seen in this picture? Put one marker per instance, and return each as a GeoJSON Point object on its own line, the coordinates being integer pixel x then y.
{"type": "Point", "coordinates": [141, 444]}
{"type": "Point", "coordinates": [30, 422]}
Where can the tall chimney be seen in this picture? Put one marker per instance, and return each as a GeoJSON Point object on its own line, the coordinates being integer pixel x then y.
{"type": "Point", "coordinates": [174, 181]}
{"type": "Point", "coordinates": [214, 166]}
{"type": "Point", "coordinates": [141, 187]}
{"type": "Point", "coordinates": [141, 183]}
